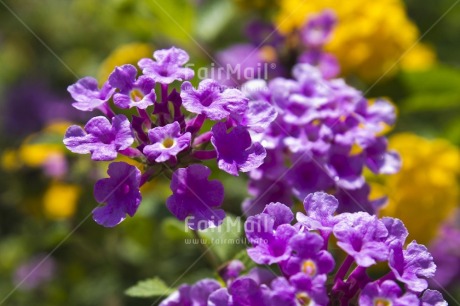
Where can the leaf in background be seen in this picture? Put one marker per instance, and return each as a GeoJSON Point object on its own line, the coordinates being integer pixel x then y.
{"type": "Point", "coordinates": [149, 288]}
{"type": "Point", "coordinates": [174, 20]}
{"type": "Point", "coordinates": [212, 20]}
{"type": "Point", "coordinates": [435, 89]}
{"type": "Point", "coordinates": [226, 238]}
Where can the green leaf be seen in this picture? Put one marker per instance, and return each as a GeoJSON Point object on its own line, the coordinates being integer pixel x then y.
{"type": "Point", "coordinates": [149, 288]}
{"type": "Point", "coordinates": [436, 89]}
{"type": "Point", "coordinates": [175, 20]}
{"type": "Point", "coordinates": [226, 238]}
{"type": "Point", "coordinates": [211, 21]}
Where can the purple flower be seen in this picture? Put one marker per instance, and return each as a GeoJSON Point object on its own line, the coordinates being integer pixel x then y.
{"type": "Point", "coordinates": [231, 270]}
{"type": "Point", "coordinates": [138, 93]}
{"type": "Point", "coordinates": [362, 236]}
{"type": "Point", "coordinates": [412, 265]}
{"type": "Point", "coordinates": [266, 190]}
{"type": "Point", "coordinates": [195, 196]}
{"type": "Point", "coordinates": [120, 192]}
{"type": "Point", "coordinates": [325, 62]}
{"type": "Point", "coordinates": [211, 101]}
{"type": "Point", "coordinates": [386, 293]}
{"type": "Point", "coordinates": [271, 244]}
{"type": "Point", "coordinates": [195, 295]}
{"type": "Point", "coordinates": [310, 289]}
{"type": "Point", "coordinates": [280, 213]}
{"type": "Point", "coordinates": [432, 298]}
{"type": "Point", "coordinates": [36, 272]}
{"type": "Point", "coordinates": [246, 292]}
{"type": "Point", "coordinates": [397, 232]}
{"type": "Point", "coordinates": [167, 142]}
{"type": "Point", "coordinates": [168, 66]}
{"type": "Point", "coordinates": [381, 161]}
{"type": "Point", "coordinates": [100, 138]}
{"type": "Point", "coordinates": [219, 297]}
{"type": "Point", "coordinates": [308, 258]}
{"type": "Point", "coordinates": [320, 208]}
{"type": "Point", "coordinates": [259, 115]}
{"type": "Point", "coordinates": [87, 95]}
{"type": "Point", "coordinates": [235, 150]}
{"type": "Point", "coordinates": [318, 30]}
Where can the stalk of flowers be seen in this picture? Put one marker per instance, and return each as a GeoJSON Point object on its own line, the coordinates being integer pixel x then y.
{"type": "Point", "coordinates": [162, 139]}
{"type": "Point", "coordinates": [323, 137]}
{"type": "Point", "coordinates": [270, 54]}
{"type": "Point", "coordinates": [309, 274]}
{"type": "Point", "coordinates": [366, 42]}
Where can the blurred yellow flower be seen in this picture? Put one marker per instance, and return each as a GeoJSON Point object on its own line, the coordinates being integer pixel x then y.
{"type": "Point", "coordinates": [370, 38]}
{"type": "Point", "coordinates": [425, 192]}
{"type": "Point", "coordinates": [10, 160]}
{"type": "Point", "coordinates": [35, 152]}
{"type": "Point", "coordinates": [125, 54]}
{"type": "Point", "coordinates": [60, 200]}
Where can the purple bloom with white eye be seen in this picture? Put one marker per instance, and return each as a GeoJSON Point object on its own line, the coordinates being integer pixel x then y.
{"type": "Point", "coordinates": [283, 293]}
{"type": "Point", "coordinates": [432, 298]}
{"type": "Point", "coordinates": [386, 293]}
{"type": "Point", "coordinates": [167, 142]}
{"type": "Point", "coordinates": [320, 208]}
{"type": "Point", "coordinates": [271, 244]}
{"type": "Point", "coordinates": [196, 295]}
{"type": "Point", "coordinates": [308, 257]}
{"type": "Point", "coordinates": [412, 266]}
{"type": "Point", "coordinates": [310, 290]}
{"type": "Point", "coordinates": [120, 192]}
{"type": "Point", "coordinates": [167, 66]}
{"type": "Point", "coordinates": [235, 150]}
{"type": "Point", "coordinates": [362, 236]}
{"type": "Point", "coordinates": [194, 195]}
{"type": "Point", "coordinates": [100, 138]}
{"type": "Point", "coordinates": [318, 30]}
{"type": "Point", "coordinates": [138, 93]}
{"type": "Point", "coordinates": [210, 100]}
{"type": "Point", "coordinates": [87, 95]}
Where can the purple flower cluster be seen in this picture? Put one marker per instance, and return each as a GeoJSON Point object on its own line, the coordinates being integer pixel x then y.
{"type": "Point", "coordinates": [160, 137]}
{"type": "Point", "coordinates": [303, 252]}
{"type": "Point", "coordinates": [314, 35]}
{"type": "Point", "coordinates": [323, 137]}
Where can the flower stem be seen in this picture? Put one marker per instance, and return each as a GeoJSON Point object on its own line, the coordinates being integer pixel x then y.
{"type": "Point", "coordinates": [208, 253]}
{"type": "Point", "coordinates": [346, 264]}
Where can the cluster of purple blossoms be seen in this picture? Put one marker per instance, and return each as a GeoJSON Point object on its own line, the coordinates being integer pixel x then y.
{"type": "Point", "coordinates": [162, 139]}
{"type": "Point", "coordinates": [314, 36]}
{"type": "Point", "coordinates": [323, 137]}
{"type": "Point", "coordinates": [303, 253]}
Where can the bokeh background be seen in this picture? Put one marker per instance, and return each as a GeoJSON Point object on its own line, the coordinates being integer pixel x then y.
{"type": "Point", "coordinates": [406, 51]}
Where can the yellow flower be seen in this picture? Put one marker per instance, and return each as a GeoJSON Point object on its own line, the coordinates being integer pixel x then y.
{"type": "Point", "coordinates": [34, 152]}
{"type": "Point", "coordinates": [60, 200]}
{"type": "Point", "coordinates": [125, 54]}
{"type": "Point", "coordinates": [371, 37]}
{"type": "Point", "coordinates": [10, 160]}
{"type": "Point", "coordinates": [425, 192]}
